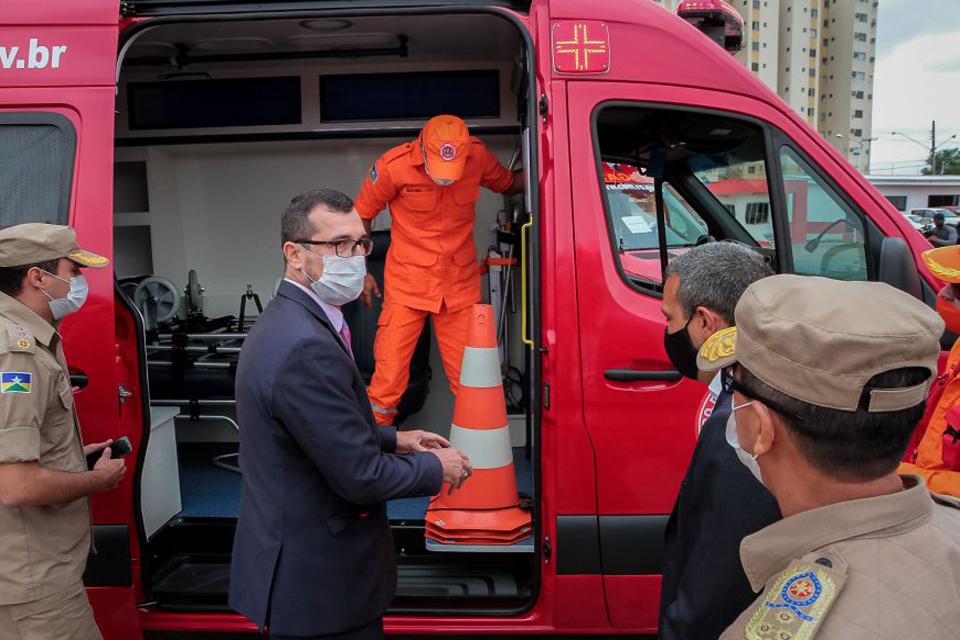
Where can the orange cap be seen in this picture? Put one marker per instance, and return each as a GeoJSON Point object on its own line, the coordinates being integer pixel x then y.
{"type": "Point", "coordinates": [944, 262]}
{"type": "Point", "coordinates": [446, 143]}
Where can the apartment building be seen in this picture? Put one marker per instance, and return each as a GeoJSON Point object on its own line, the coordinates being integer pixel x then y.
{"type": "Point", "coordinates": [818, 55]}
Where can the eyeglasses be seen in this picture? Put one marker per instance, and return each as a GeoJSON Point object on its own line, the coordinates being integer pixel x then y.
{"type": "Point", "coordinates": [731, 384]}
{"type": "Point", "coordinates": [345, 248]}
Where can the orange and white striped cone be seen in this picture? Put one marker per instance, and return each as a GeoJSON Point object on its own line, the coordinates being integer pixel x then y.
{"type": "Point", "coordinates": [485, 510]}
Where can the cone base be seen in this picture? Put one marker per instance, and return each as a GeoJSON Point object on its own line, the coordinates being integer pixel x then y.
{"type": "Point", "coordinates": [495, 526]}
{"type": "Point", "coordinates": [487, 542]}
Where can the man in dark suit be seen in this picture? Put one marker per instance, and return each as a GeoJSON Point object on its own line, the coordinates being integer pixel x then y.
{"type": "Point", "coordinates": [313, 554]}
{"type": "Point", "coordinates": [704, 588]}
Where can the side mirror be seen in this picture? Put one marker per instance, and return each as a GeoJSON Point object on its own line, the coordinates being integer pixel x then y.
{"type": "Point", "coordinates": [897, 267]}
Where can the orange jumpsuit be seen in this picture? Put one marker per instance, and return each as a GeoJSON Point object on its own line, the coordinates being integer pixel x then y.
{"type": "Point", "coordinates": [929, 461]}
{"type": "Point", "coordinates": [431, 267]}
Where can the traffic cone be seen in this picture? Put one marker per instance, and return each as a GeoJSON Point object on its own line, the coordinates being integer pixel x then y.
{"type": "Point", "coordinates": [485, 509]}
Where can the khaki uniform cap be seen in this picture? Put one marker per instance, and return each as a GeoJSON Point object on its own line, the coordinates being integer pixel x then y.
{"type": "Point", "coordinates": [820, 340]}
{"type": "Point", "coordinates": [37, 242]}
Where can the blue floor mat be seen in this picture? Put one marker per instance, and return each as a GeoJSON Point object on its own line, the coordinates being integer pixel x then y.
{"type": "Point", "coordinates": [210, 492]}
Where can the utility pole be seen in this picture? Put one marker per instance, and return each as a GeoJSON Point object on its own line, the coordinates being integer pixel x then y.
{"type": "Point", "coordinates": [933, 148]}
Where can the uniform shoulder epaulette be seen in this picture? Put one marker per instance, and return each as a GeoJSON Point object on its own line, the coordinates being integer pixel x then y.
{"type": "Point", "coordinates": [15, 338]}
{"type": "Point", "coordinates": [397, 152]}
{"type": "Point", "coordinates": [797, 601]}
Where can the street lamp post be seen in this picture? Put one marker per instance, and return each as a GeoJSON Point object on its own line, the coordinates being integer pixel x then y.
{"type": "Point", "coordinates": [933, 145]}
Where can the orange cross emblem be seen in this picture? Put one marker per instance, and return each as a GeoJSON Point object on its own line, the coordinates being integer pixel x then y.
{"type": "Point", "coordinates": [581, 46]}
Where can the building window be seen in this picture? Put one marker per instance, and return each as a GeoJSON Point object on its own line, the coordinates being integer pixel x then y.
{"type": "Point", "coordinates": [756, 4]}
{"type": "Point", "coordinates": [857, 94]}
{"type": "Point", "coordinates": [860, 36]}
{"type": "Point", "coordinates": [813, 73]}
{"type": "Point", "coordinates": [813, 53]}
{"type": "Point", "coordinates": [859, 75]}
{"type": "Point", "coordinates": [814, 13]}
{"type": "Point", "coordinates": [757, 212]}
{"type": "Point", "coordinates": [756, 26]}
{"type": "Point", "coordinates": [858, 113]}
{"type": "Point", "coordinates": [755, 46]}
{"type": "Point", "coordinates": [899, 202]}
{"type": "Point", "coordinates": [862, 17]}
{"type": "Point", "coordinates": [811, 91]}
{"type": "Point", "coordinates": [857, 132]}
{"type": "Point", "coordinates": [810, 111]}
{"type": "Point", "coordinates": [754, 66]}
{"type": "Point", "coordinates": [860, 55]}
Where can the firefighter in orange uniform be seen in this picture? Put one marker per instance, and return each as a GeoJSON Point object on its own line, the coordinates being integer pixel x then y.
{"type": "Point", "coordinates": [431, 185]}
{"type": "Point", "coordinates": [938, 453]}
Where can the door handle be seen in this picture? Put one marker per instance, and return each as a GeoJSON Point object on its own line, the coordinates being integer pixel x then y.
{"type": "Point", "coordinates": [632, 375]}
{"type": "Point", "coordinates": [79, 380]}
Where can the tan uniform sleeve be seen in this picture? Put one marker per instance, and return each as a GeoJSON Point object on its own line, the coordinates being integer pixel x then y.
{"type": "Point", "coordinates": [495, 177]}
{"type": "Point", "coordinates": [376, 191]}
{"type": "Point", "coordinates": [23, 398]}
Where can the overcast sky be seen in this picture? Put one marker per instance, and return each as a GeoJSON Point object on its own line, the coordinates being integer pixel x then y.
{"type": "Point", "coordinates": [917, 78]}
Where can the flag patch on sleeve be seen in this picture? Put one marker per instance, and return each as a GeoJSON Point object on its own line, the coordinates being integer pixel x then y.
{"type": "Point", "coordinates": [15, 382]}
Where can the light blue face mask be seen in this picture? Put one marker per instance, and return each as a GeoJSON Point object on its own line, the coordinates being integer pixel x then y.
{"type": "Point", "coordinates": [342, 278]}
{"type": "Point", "coordinates": [62, 307]}
{"type": "Point", "coordinates": [749, 460]}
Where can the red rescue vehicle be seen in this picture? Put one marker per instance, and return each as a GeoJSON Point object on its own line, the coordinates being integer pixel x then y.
{"type": "Point", "coordinates": [171, 133]}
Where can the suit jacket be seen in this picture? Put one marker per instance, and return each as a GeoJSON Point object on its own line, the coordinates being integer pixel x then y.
{"type": "Point", "coordinates": [313, 552]}
{"type": "Point", "coordinates": [704, 587]}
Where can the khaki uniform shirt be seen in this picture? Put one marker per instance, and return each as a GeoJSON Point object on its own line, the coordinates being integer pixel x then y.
{"type": "Point", "coordinates": [885, 567]}
{"type": "Point", "coordinates": [43, 549]}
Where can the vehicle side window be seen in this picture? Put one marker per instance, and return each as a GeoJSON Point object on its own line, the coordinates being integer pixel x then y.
{"type": "Point", "coordinates": [36, 168]}
{"type": "Point", "coordinates": [711, 169]}
{"type": "Point", "coordinates": [631, 199]}
{"type": "Point", "coordinates": [826, 237]}
{"type": "Point", "coordinates": [740, 185]}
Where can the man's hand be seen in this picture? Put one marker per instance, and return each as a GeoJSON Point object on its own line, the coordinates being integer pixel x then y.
{"type": "Point", "coordinates": [417, 440]}
{"type": "Point", "coordinates": [456, 466]}
{"type": "Point", "coordinates": [108, 472]}
{"type": "Point", "coordinates": [370, 289]}
{"type": "Point", "coordinates": [90, 448]}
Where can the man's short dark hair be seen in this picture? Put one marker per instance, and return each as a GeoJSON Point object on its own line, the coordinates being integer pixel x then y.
{"type": "Point", "coordinates": [852, 446]}
{"type": "Point", "coordinates": [11, 278]}
{"type": "Point", "coordinates": [295, 223]}
{"type": "Point", "coordinates": [714, 275]}
{"type": "Point", "coordinates": [938, 216]}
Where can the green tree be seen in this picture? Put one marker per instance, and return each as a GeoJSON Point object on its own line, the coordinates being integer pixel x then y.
{"type": "Point", "coordinates": [947, 162]}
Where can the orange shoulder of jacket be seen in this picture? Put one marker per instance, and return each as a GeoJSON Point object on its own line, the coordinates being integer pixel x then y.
{"type": "Point", "coordinates": [397, 152]}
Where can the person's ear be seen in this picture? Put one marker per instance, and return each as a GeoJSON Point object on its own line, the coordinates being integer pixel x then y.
{"type": "Point", "coordinates": [34, 277]}
{"type": "Point", "coordinates": [705, 322]}
{"type": "Point", "coordinates": [293, 254]}
{"type": "Point", "coordinates": [766, 434]}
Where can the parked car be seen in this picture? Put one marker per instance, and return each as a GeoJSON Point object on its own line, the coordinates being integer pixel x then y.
{"type": "Point", "coordinates": [949, 216]}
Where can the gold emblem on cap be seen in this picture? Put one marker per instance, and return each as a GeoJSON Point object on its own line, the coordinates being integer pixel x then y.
{"type": "Point", "coordinates": [88, 258]}
{"type": "Point", "coordinates": [722, 344]}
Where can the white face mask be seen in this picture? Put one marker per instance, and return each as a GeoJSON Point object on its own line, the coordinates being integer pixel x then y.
{"type": "Point", "coordinates": [749, 460]}
{"type": "Point", "coordinates": [62, 307]}
{"type": "Point", "coordinates": [342, 278]}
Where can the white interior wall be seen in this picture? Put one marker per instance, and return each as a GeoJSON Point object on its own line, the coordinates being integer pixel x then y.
{"type": "Point", "coordinates": [216, 208]}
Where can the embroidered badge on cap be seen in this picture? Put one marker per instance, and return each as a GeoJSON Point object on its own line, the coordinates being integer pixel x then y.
{"type": "Point", "coordinates": [722, 344]}
{"type": "Point", "coordinates": [15, 382]}
{"type": "Point", "coordinates": [448, 151]}
{"type": "Point", "coordinates": [796, 604]}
